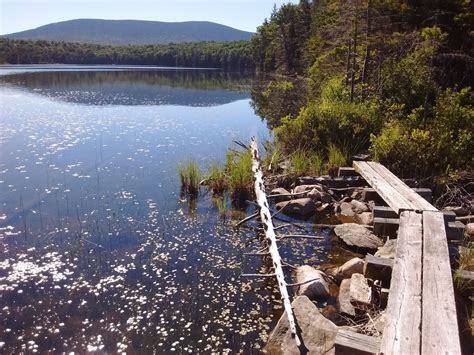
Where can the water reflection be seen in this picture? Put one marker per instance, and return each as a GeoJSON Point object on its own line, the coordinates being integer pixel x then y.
{"type": "Point", "coordinates": [98, 251]}
{"type": "Point", "coordinates": [138, 87]}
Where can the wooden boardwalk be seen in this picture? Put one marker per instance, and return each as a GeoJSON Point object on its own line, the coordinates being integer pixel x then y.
{"type": "Point", "coordinates": [421, 311]}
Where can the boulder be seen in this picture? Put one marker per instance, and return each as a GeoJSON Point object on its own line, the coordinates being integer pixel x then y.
{"type": "Point", "coordinates": [303, 188]}
{"type": "Point", "coordinates": [331, 313]}
{"type": "Point", "coordinates": [353, 266]}
{"type": "Point", "coordinates": [315, 290]}
{"type": "Point", "coordinates": [358, 236]}
{"type": "Point", "coordinates": [317, 332]}
{"type": "Point", "coordinates": [469, 230]}
{"type": "Point", "coordinates": [459, 210]}
{"type": "Point", "coordinates": [344, 300]}
{"type": "Point", "coordinates": [280, 191]}
{"type": "Point", "coordinates": [300, 207]}
{"type": "Point", "coordinates": [388, 250]}
{"type": "Point", "coordinates": [359, 207]}
{"type": "Point", "coordinates": [366, 218]}
{"type": "Point", "coordinates": [346, 209]}
{"type": "Point", "coordinates": [360, 292]}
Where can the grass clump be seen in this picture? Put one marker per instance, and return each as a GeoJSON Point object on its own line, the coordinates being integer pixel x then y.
{"type": "Point", "coordinates": [239, 173]}
{"type": "Point", "coordinates": [216, 179]}
{"type": "Point", "coordinates": [466, 263]}
{"type": "Point", "coordinates": [305, 162]}
{"type": "Point", "coordinates": [190, 176]}
{"type": "Point", "coordinates": [336, 158]}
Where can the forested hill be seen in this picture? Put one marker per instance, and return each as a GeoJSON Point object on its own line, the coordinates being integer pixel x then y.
{"type": "Point", "coordinates": [135, 32]}
{"type": "Point", "coordinates": [394, 77]}
{"type": "Point", "coordinates": [235, 56]}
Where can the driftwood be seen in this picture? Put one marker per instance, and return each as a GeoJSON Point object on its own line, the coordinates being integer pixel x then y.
{"type": "Point", "coordinates": [266, 219]}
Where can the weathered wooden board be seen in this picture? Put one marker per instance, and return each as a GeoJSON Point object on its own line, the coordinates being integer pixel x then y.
{"type": "Point", "coordinates": [417, 202]}
{"type": "Point", "coordinates": [350, 340]}
{"type": "Point", "coordinates": [388, 192]}
{"type": "Point", "coordinates": [403, 318]}
{"type": "Point", "coordinates": [440, 333]}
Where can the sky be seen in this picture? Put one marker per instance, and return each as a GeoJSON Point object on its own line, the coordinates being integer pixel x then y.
{"type": "Point", "coordinates": [20, 15]}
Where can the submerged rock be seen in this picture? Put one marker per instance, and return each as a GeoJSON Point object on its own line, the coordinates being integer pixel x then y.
{"type": "Point", "coordinates": [353, 266]}
{"type": "Point", "coordinates": [317, 289]}
{"type": "Point", "coordinates": [317, 332]}
{"type": "Point", "coordinates": [358, 236]}
{"type": "Point", "coordinates": [300, 207]}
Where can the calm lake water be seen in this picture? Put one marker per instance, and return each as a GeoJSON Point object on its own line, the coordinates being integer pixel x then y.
{"type": "Point", "coordinates": [98, 250]}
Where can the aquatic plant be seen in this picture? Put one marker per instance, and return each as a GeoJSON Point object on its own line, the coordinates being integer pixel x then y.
{"type": "Point", "coordinates": [216, 179]}
{"type": "Point", "coordinates": [220, 202]}
{"type": "Point", "coordinates": [239, 173]}
{"type": "Point", "coordinates": [190, 176]}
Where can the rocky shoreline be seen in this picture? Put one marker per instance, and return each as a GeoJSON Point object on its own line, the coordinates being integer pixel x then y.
{"type": "Point", "coordinates": [349, 299]}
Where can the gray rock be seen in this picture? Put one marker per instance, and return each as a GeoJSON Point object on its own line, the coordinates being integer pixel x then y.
{"type": "Point", "coordinates": [300, 207]}
{"type": "Point", "coordinates": [346, 209]}
{"type": "Point", "coordinates": [353, 266]}
{"type": "Point", "coordinates": [388, 250]}
{"type": "Point", "coordinates": [459, 210]}
{"type": "Point", "coordinates": [317, 332]}
{"type": "Point", "coordinates": [359, 207]}
{"type": "Point", "coordinates": [366, 218]}
{"type": "Point", "coordinates": [303, 188]}
{"type": "Point", "coordinates": [280, 191]}
{"type": "Point", "coordinates": [358, 236]}
{"type": "Point", "coordinates": [315, 290]}
{"type": "Point", "coordinates": [360, 292]}
{"type": "Point", "coordinates": [344, 300]}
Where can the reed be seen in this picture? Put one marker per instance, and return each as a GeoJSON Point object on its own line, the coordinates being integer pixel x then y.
{"type": "Point", "coordinates": [190, 176]}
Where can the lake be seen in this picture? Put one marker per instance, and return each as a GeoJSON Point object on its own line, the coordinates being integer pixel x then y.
{"type": "Point", "coordinates": [99, 251]}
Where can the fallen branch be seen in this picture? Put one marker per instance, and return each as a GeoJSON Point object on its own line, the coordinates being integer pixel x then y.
{"type": "Point", "coordinates": [289, 195]}
{"type": "Point", "coordinates": [246, 219]}
{"type": "Point", "coordinates": [257, 275]}
{"type": "Point", "coordinates": [300, 236]}
{"type": "Point", "coordinates": [266, 219]}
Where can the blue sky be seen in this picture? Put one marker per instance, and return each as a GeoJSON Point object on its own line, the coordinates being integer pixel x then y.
{"type": "Point", "coordinates": [19, 15]}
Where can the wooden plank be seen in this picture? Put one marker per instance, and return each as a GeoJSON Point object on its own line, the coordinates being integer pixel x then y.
{"type": "Point", "coordinates": [354, 341]}
{"type": "Point", "coordinates": [417, 202]}
{"type": "Point", "coordinates": [440, 332]}
{"type": "Point", "coordinates": [403, 318]}
{"type": "Point", "coordinates": [390, 195]}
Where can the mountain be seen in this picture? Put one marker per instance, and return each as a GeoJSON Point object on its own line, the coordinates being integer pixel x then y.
{"type": "Point", "coordinates": [124, 32]}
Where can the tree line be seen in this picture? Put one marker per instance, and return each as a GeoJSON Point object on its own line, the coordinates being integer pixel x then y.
{"type": "Point", "coordinates": [392, 77]}
{"type": "Point", "coordinates": [223, 55]}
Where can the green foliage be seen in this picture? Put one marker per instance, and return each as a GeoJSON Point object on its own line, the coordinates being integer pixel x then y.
{"type": "Point", "coordinates": [304, 162]}
{"type": "Point", "coordinates": [190, 176]}
{"type": "Point", "coordinates": [433, 144]}
{"type": "Point", "coordinates": [224, 55]}
{"type": "Point", "coordinates": [336, 158]}
{"type": "Point", "coordinates": [239, 173]}
{"type": "Point", "coordinates": [217, 179]}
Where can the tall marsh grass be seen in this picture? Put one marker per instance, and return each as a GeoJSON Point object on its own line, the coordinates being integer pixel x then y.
{"type": "Point", "coordinates": [190, 176]}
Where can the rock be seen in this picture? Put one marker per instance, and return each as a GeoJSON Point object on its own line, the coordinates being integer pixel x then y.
{"type": "Point", "coordinates": [469, 230]}
{"type": "Point", "coordinates": [388, 250]}
{"type": "Point", "coordinates": [280, 191]}
{"type": "Point", "coordinates": [366, 218]}
{"type": "Point", "coordinates": [330, 312]}
{"type": "Point", "coordinates": [360, 292]}
{"type": "Point", "coordinates": [300, 207]}
{"type": "Point", "coordinates": [323, 207]}
{"type": "Point", "coordinates": [317, 195]}
{"type": "Point", "coordinates": [353, 266]}
{"type": "Point", "coordinates": [317, 332]}
{"type": "Point", "coordinates": [315, 290]}
{"type": "Point", "coordinates": [303, 188]}
{"type": "Point", "coordinates": [359, 207]}
{"type": "Point", "coordinates": [358, 236]}
{"type": "Point", "coordinates": [346, 209]}
{"type": "Point", "coordinates": [459, 210]}
{"type": "Point", "coordinates": [357, 194]}
{"type": "Point", "coordinates": [344, 300]}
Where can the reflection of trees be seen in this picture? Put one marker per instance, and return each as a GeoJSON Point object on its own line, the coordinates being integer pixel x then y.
{"type": "Point", "coordinates": [169, 87]}
{"type": "Point", "coordinates": [189, 79]}
{"type": "Point", "coordinates": [276, 97]}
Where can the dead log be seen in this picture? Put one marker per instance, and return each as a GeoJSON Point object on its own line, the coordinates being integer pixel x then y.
{"type": "Point", "coordinates": [266, 219]}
